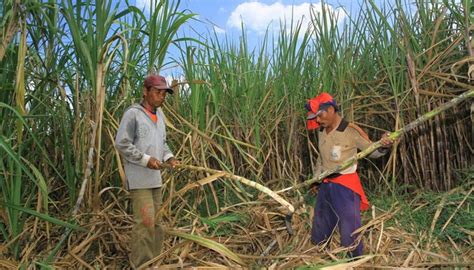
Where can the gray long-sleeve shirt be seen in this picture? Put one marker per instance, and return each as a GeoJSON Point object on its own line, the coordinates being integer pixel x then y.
{"type": "Point", "coordinates": [139, 138]}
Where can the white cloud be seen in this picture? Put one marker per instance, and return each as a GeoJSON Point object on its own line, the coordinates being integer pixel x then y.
{"type": "Point", "coordinates": [219, 30]}
{"type": "Point", "coordinates": [258, 16]}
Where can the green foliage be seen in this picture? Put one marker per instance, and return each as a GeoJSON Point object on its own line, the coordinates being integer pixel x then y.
{"type": "Point", "coordinates": [226, 195]}
{"type": "Point", "coordinates": [43, 148]}
{"type": "Point", "coordinates": [165, 21]}
{"type": "Point", "coordinates": [223, 225]}
{"type": "Point", "coordinates": [42, 216]}
{"type": "Point", "coordinates": [418, 213]}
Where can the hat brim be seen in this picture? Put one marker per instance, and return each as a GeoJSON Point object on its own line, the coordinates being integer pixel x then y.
{"type": "Point", "coordinates": [312, 115]}
{"type": "Point", "coordinates": [169, 90]}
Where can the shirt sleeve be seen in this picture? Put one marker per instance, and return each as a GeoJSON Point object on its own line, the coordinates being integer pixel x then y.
{"type": "Point", "coordinates": [362, 142]}
{"type": "Point", "coordinates": [361, 138]}
{"type": "Point", "coordinates": [380, 152]}
{"type": "Point", "coordinates": [124, 140]}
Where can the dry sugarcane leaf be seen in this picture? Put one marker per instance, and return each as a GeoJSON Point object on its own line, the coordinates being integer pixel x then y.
{"type": "Point", "coordinates": [218, 247]}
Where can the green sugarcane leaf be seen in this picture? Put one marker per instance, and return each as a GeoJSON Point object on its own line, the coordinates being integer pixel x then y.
{"type": "Point", "coordinates": [43, 216]}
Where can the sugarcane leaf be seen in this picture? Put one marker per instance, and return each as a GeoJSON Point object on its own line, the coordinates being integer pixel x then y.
{"type": "Point", "coordinates": [217, 247]}
{"type": "Point", "coordinates": [43, 216]}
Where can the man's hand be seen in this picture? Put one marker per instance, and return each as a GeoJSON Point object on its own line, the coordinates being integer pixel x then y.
{"type": "Point", "coordinates": [385, 141]}
{"type": "Point", "coordinates": [172, 162]}
{"type": "Point", "coordinates": [154, 164]}
{"type": "Point", "coordinates": [313, 189]}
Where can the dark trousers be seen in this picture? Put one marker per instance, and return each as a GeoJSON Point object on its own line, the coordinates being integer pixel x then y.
{"type": "Point", "coordinates": [337, 205]}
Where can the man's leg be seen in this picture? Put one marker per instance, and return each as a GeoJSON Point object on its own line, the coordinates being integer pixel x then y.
{"type": "Point", "coordinates": [324, 219]}
{"type": "Point", "coordinates": [159, 233]}
{"type": "Point", "coordinates": [347, 207]}
{"type": "Point", "coordinates": [143, 241]}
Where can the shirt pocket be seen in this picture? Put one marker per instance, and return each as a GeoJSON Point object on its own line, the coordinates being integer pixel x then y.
{"type": "Point", "coordinates": [335, 153]}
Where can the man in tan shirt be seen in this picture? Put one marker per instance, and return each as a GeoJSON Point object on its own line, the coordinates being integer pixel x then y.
{"type": "Point", "coordinates": [341, 196]}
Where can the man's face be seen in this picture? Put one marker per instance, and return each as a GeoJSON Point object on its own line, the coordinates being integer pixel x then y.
{"type": "Point", "coordinates": [154, 96]}
{"type": "Point", "coordinates": [325, 117]}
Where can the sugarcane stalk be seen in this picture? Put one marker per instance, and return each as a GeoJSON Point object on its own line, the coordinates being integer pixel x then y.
{"type": "Point", "coordinates": [245, 181]}
{"type": "Point", "coordinates": [393, 136]}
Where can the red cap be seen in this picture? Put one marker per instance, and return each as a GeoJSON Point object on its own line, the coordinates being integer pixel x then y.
{"type": "Point", "coordinates": [157, 81]}
{"type": "Point", "coordinates": [315, 106]}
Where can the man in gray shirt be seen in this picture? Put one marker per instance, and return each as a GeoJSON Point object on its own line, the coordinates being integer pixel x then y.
{"type": "Point", "coordinates": [141, 139]}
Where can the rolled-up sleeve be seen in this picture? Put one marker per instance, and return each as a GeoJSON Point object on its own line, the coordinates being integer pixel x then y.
{"type": "Point", "coordinates": [125, 138]}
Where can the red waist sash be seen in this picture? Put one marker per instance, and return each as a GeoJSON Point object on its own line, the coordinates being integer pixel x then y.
{"type": "Point", "coordinates": [352, 182]}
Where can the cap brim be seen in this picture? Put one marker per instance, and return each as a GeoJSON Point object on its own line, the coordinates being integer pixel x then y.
{"type": "Point", "coordinates": [169, 90]}
{"type": "Point", "coordinates": [312, 115]}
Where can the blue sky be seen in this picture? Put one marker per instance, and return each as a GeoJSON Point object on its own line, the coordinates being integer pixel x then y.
{"type": "Point", "coordinates": [226, 15]}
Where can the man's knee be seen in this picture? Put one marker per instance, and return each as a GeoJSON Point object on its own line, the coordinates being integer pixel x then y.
{"type": "Point", "coordinates": [147, 215]}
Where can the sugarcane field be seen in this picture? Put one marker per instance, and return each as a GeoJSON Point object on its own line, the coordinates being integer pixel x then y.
{"type": "Point", "coordinates": [207, 134]}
